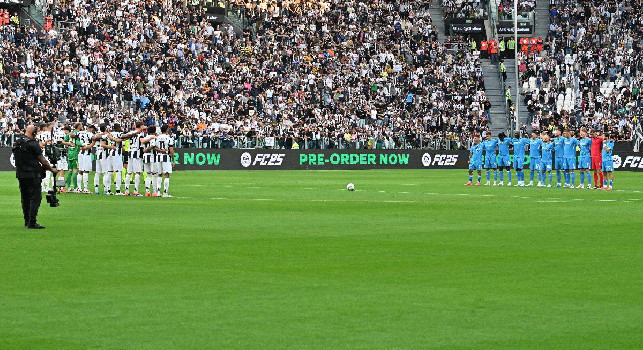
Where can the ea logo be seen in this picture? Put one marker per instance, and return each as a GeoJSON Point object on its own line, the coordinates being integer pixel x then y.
{"type": "Point", "coordinates": [12, 160]}
{"type": "Point", "coordinates": [617, 161]}
{"type": "Point", "coordinates": [426, 159]}
{"type": "Point", "coordinates": [246, 159]}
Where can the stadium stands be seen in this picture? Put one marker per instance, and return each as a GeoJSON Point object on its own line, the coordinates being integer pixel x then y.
{"type": "Point", "coordinates": [589, 73]}
{"type": "Point", "coordinates": [315, 74]}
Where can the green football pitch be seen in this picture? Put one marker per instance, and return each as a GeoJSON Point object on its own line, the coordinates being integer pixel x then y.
{"type": "Point", "coordinates": [291, 260]}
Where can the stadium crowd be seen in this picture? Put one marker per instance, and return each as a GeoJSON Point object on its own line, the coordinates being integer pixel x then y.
{"type": "Point", "coordinates": [464, 8]}
{"type": "Point", "coordinates": [309, 74]}
{"type": "Point", "coordinates": [590, 71]}
{"type": "Point", "coordinates": [314, 74]}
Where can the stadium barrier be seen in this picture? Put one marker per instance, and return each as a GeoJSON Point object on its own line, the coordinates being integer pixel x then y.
{"type": "Point", "coordinates": [268, 159]}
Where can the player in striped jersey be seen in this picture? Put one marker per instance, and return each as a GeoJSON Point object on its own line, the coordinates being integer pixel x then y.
{"type": "Point", "coordinates": [117, 138]}
{"type": "Point", "coordinates": [164, 160]}
{"type": "Point", "coordinates": [114, 145]}
{"type": "Point", "coordinates": [102, 165]}
{"type": "Point", "coordinates": [87, 137]}
{"type": "Point", "coordinates": [44, 138]}
{"type": "Point", "coordinates": [135, 164]}
{"type": "Point", "coordinates": [149, 160]}
{"type": "Point", "coordinates": [85, 155]}
{"type": "Point", "coordinates": [58, 137]}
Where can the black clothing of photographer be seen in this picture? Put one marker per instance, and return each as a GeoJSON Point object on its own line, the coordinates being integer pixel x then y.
{"type": "Point", "coordinates": [30, 165]}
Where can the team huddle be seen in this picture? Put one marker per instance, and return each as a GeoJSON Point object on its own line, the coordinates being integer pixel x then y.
{"type": "Point", "coordinates": [546, 154]}
{"type": "Point", "coordinates": [140, 152]}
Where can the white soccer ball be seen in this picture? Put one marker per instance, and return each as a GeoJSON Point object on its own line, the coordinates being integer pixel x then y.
{"type": "Point", "coordinates": [350, 187]}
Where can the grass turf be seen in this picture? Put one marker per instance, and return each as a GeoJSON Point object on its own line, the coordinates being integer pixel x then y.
{"type": "Point", "coordinates": [291, 260]}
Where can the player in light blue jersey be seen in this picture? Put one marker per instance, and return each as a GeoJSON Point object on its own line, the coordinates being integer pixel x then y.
{"type": "Point", "coordinates": [535, 144]}
{"type": "Point", "coordinates": [569, 158]}
{"type": "Point", "coordinates": [585, 158]}
{"type": "Point", "coordinates": [608, 163]}
{"type": "Point", "coordinates": [558, 156]}
{"type": "Point", "coordinates": [475, 161]}
{"type": "Point", "coordinates": [489, 146]}
{"type": "Point", "coordinates": [519, 144]}
{"type": "Point", "coordinates": [546, 160]}
{"type": "Point", "coordinates": [504, 160]}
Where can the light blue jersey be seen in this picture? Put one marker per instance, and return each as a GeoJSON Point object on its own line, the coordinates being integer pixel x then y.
{"type": "Point", "coordinates": [559, 147]}
{"type": "Point", "coordinates": [490, 153]}
{"type": "Point", "coordinates": [585, 147]}
{"type": "Point", "coordinates": [535, 146]}
{"type": "Point", "coordinates": [558, 153]}
{"type": "Point", "coordinates": [503, 146]}
{"type": "Point", "coordinates": [476, 157]}
{"type": "Point", "coordinates": [547, 156]}
{"type": "Point", "coordinates": [608, 163]}
{"type": "Point", "coordinates": [569, 147]}
{"type": "Point", "coordinates": [519, 152]}
{"type": "Point", "coordinates": [585, 153]}
{"type": "Point", "coordinates": [504, 160]}
{"type": "Point", "coordinates": [569, 153]}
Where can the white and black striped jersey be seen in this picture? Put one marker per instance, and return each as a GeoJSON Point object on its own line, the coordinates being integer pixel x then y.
{"type": "Point", "coordinates": [101, 153]}
{"type": "Point", "coordinates": [164, 142]}
{"type": "Point", "coordinates": [86, 138]}
{"type": "Point", "coordinates": [58, 136]}
{"type": "Point", "coordinates": [45, 138]}
{"type": "Point", "coordinates": [135, 146]}
{"type": "Point", "coordinates": [149, 157]}
{"type": "Point", "coordinates": [118, 151]}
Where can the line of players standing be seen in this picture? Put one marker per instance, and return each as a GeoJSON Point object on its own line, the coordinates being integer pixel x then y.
{"type": "Point", "coordinates": [147, 154]}
{"type": "Point", "coordinates": [546, 154]}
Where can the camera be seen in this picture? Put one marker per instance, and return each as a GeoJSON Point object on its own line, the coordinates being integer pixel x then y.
{"type": "Point", "coordinates": [52, 199]}
{"type": "Point", "coordinates": [54, 153]}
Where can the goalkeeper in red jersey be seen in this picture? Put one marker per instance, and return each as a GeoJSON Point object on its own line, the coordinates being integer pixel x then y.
{"type": "Point", "coordinates": [597, 158]}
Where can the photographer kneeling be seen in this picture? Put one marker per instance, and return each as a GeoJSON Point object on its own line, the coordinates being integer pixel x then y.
{"type": "Point", "coordinates": [30, 166]}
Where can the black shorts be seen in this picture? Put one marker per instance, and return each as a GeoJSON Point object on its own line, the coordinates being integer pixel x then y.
{"type": "Point", "coordinates": [125, 157]}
